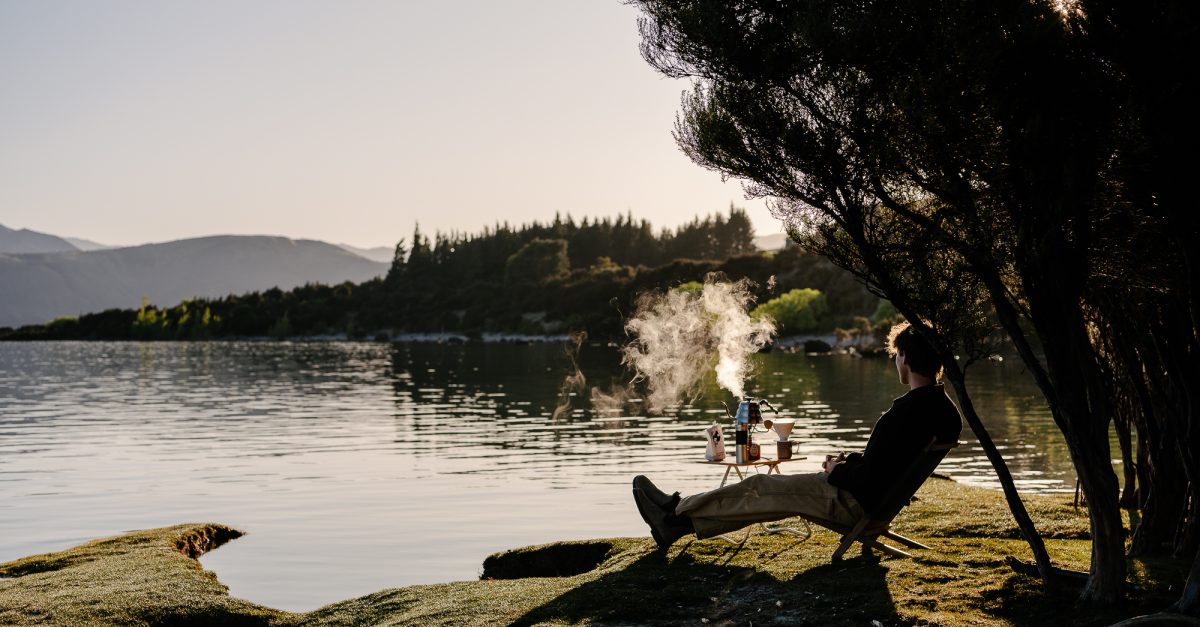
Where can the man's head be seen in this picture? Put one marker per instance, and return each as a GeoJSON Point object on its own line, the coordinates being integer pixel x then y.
{"type": "Point", "coordinates": [913, 354]}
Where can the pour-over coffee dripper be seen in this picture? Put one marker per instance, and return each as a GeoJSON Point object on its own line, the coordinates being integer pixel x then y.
{"type": "Point", "coordinates": [783, 429]}
{"type": "Point", "coordinates": [781, 426]}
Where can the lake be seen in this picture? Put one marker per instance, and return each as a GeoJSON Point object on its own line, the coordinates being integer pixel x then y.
{"type": "Point", "coordinates": [355, 467]}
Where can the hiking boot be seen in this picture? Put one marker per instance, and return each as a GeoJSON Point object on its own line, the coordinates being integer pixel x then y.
{"type": "Point", "coordinates": [664, 527]}
{"type": "Point", "coordinates": [664, 501]}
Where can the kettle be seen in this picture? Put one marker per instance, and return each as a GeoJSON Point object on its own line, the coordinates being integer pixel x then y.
{"type": "Point", "coordinates": [748, 414]}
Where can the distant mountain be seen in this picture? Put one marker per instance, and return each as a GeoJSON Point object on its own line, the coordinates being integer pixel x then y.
{"type": "Point", "coordinates": [40, 287]}
{"type": "Point", "coordinates": [771, 242]}
{"type": "Point", "coordinates": [87, 244]}
{"type": "Point", "coordinates": [382, 254]}
{"type": "Point", "coordinates": [26, 241]}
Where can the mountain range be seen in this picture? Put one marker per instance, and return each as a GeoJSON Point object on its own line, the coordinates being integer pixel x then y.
{"type": "Point", "coordinates": [45, 276]}
{"type": "Point", "coordinates": [26, 241]}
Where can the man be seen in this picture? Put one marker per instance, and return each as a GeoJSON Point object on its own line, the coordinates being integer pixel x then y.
{"type": "Point", "coordinates": [847, 486]}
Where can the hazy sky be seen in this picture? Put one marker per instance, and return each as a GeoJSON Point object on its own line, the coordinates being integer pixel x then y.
{"type": "Point", "coordinates": [131, 121]}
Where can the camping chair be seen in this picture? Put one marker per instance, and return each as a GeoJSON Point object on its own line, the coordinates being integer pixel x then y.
{"type": "Point", "coordinates": [876, 523]}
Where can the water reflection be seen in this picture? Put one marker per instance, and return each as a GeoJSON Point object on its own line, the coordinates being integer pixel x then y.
{"type": "Point", "coordinates": [489, 406]}
{"type": "Point", "coordinates": [359, 466]}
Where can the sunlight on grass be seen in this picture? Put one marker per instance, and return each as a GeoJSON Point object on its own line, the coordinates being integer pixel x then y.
{"type": "Point", "coordinates": [150, 577]}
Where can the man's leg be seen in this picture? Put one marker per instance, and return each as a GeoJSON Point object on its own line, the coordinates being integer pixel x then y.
{"type": "Point", "coordinates": [763, 498]}
{"type": "Point", "coordinates": [658, 510]}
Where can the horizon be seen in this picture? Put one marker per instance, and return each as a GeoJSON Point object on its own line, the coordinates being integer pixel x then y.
{"type": "Point", "coordinates": [478, 231]}
{"type": "Point", "coordinates": [128, 123]}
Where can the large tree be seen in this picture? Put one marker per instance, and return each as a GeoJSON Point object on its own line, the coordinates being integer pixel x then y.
{"type": "Point", "coordinates": [998, 132]}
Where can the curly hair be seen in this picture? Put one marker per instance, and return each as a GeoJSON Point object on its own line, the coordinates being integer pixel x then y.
{"type": "Point", "coordinates": [922, 358]}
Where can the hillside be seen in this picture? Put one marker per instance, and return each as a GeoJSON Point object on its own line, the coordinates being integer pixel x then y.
{"type": "Point", "coordinates": [40, 287]}
{"type": "Point", "coordinates": [382, 254]}
{"type": "Point", "coordinates": [776, 241]}
{"type": "Point", "coordinates": [87, 244]}
{"type": "Point", "coordinates": [23, 241]}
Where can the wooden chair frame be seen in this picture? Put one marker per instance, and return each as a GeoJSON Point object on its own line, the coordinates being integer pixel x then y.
{"type": "Point", "coordinates": [877, 523]}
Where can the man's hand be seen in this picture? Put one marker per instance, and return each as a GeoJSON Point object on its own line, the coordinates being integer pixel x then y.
{"type": "Point", "coordinates": [831, 462]}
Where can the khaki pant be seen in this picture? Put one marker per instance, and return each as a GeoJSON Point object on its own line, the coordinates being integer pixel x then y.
{"type": "Point", "coordinates": [763, 498]}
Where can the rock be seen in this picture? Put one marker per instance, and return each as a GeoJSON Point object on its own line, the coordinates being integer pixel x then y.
{"type": "Point", "coordinates": [562, 559]}
{"type": "Point", "coordinates": [817, 346]}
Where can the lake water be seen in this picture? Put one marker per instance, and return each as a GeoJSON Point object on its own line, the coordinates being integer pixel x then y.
{"type": "Point", "coordinates": [355, 467]}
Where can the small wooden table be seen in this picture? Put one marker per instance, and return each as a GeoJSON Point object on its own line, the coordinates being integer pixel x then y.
{"type": "Point", "coordinates": [731, 465]}
{"type": "Point", "coordinates": [772, 465]}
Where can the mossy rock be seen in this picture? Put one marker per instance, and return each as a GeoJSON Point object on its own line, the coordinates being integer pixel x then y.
{"type": "Point", "coordinates": [562, 559]}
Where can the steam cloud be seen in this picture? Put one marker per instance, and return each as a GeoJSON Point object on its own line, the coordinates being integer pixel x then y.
{"type": "Point", "coordinates": [575, 382]}
{"type": "Point", "coordinates": [679, 335]}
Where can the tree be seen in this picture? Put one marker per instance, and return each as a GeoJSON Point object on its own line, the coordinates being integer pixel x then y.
{"type": "Point", "coordinates": [399, 258]}
{"type": "Point", "coordinates": [980, 131]}
{"type": "Point", "coordinates": [535, 263]}
{"type": "Point", "coordinates": [149, 323]}
{"type": "Point", "coordinates": [796, 311]}
{"type": "Point", "coordinates": [737, 234]}
{"type": "Point", "coordinates": [282, 327]}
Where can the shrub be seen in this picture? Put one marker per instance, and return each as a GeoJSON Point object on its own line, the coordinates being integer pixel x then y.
{"type": "Point", "coordinates": [693, 288]}
{"type": "Point", "coordinates": [797, 311]}
{"type": "Point", "coordinates": [885, 311]}
{"type": "Point", "coordinates": [537, 262]}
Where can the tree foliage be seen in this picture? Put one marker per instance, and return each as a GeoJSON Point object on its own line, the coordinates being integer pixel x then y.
{"type": "Point", "coordinates": [985, 165]}
{"type": "Point", "coordinates": [537, 262]}
{"type": "Point", "coordinates": [797, 311]}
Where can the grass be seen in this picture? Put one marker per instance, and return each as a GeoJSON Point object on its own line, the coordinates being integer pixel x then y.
{"type": "Point", "coordinates": [150, 577]}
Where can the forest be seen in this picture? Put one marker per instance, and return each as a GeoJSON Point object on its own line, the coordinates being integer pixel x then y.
{"type": "Point", "coordinates": [552, 278]}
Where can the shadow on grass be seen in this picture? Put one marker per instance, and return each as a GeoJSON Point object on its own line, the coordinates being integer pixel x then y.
{"type": "Point", "coordinates": [1021, 599]}
{"type": "Point", "coordinates": [657, 588]}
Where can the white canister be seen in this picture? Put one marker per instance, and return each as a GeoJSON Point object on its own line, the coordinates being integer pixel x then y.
{"type": "Point", "coordinates": [714, 451]}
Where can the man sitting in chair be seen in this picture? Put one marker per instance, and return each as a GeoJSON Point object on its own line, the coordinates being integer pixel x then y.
{"type": "Point", "coordinates": [848, 485]}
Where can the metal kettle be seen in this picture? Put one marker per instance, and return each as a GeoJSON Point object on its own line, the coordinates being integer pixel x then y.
{"type": "Point", "coordinates": [748, 415]}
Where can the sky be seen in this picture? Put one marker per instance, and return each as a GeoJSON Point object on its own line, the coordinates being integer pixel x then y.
{"type": "Point", "coordinates": [128, 122]}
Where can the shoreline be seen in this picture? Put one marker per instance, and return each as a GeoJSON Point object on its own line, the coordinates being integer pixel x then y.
{"type": "Point", "coordinates": [442, 337]}
{"type": "Point", "coordinates": [153, 576]}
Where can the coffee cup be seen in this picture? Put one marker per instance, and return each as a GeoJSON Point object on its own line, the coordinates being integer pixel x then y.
{"type": "Point", "coordinates": [784, 449]}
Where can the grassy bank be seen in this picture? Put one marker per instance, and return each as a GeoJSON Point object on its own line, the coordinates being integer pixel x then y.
{"type": "Point", "coordinates": [151, 577]}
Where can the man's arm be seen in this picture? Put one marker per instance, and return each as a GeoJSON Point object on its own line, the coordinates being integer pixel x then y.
{"type": "Point", "coordinates": [851, 474]}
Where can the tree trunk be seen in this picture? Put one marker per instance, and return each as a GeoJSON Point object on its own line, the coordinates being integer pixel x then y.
{"type": "Point", "coordinates": [1015, 505]}
{"type": "Point", "coordinates": [1189, 600]}
{"type": "Point", "coordinates": [1145, 483]}
{"type": "Point", "coordinates": [1107, 572]}
{"type": "Point", "coordinates": [1122, 421]}
{"type": "Point", "coordinates": [1186, 542]}
{"type": "Point", "coordinates": [1163, 507]}
{"type": "Point", "coordinates": [1161, 475]}
{"type": "Point", "coordinates": [1067, 393]}
{"type": "Point", "coordinates": [1081, 400]}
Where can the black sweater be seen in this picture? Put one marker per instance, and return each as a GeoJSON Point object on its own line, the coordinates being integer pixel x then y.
{"type": "Point", "coordinates": [896, 441]}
